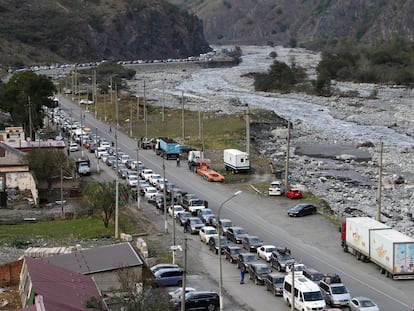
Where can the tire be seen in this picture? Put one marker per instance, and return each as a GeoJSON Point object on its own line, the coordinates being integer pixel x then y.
{"type": "Point", "coordinates": [211, 307]}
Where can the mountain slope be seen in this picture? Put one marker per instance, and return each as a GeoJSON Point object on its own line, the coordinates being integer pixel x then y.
{"type": "Point", "coordinates": [279, 21]}
{"type": "Point", "coordinates": [87, 30]}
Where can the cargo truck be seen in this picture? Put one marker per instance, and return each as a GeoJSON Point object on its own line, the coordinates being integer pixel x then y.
{"type": "Point", "coordinates": [194, 158]}
{"type": "Point", "coordinates": [167, 148]}
{"type": "Point", "coordinates": [83, 166]}
{"type": "Point", "coordinates": [236, 160]}
{"type": "Point", "coordinates": [370, 240]}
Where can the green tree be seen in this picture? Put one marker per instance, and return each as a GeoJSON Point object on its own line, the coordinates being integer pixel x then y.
{"type": "Point", "coordinates": [100, 198]}
{"type": "Point", "coordinates": [323, 83]}
{"type": "Point", "coordinates": [46, 164]}
{"type": "Point", "coordinates": [25, 93]}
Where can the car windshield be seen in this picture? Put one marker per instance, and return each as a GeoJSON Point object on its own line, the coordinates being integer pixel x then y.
{"type": "Point", "coordinates": [255, 241]}
{"type": "Point", "coordinates": [185, 215]}
{"type": "Point", "coordinates": [226, 223]}
{"type": "Point", "coordinates": [197, 203]}
{"type": "Point", "coordinates": [250, 258]}
{"type": "Point", "coordinates": [297, 208]}
{"type": "Point", "coordinates": [312, 296]}
{"type": "Point", "coordinates": [211, 231]}
{"type": "Point", "coordinates": [240, 231]}
{"type": "Point", "coordinates": [235, 251]}
{"type": "Point", "coordinates": [367, 303]}
{"type": "Point", "coordinates": [269, 249]}
{"type": "Point", "coordinates": [285, 257]}
{"type": "Point", "coordinates": [278, 280]}
{"type": "Point", "coordinates": [339, 290]}
{"type": "Point", "coordinates": [263, 270]}
{"type": "Point", "coordinates": [196, 221]}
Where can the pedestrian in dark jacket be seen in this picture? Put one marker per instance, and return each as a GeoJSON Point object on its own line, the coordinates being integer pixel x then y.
{"type": "Point", "coordinates": [187, 226]}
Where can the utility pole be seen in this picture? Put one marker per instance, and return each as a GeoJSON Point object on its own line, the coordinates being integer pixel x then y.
{"type": "Point", "coordinates": [379, 191]}
{"type": "Point", "coordinates": [184, 275]}
{"type": "Point", "coordinates": [248, 131]}
{"type": "Point", "coordinates": [116, 106]}
{"type": "Point", "coordinates": [111, 94]}
{"type": "Point", "coordinates": [287, 157]}
{"type": "Point", "coordinates": [182, 115]}
{"type": "Point", "coordinates": [138, 169]}
{"type": "Point", "coordinates": [116, 187]}
{"type": "Point", "coordinates": [165, 196]}
{"type": "Point", "coordinates": [199, 124]}
{"type": "Point", "coordinates": [293, 287]}
{"type": "Point", "coordinates": [130, 120]}
{"type": "Point", "coordinates": [163, 100]}
{"type": "Point", "coordinates": [81, 139]}
{"type": "Point", "coordinates": [94, 93]}
{"type": "Point", "coordinates": [145, 112]}
{"type": "Point", "coordinates": [97, 160]}
{"type": "Point", "coordinates": [61, 188]}
{"type": "Point", "coordinates": [30, 117]}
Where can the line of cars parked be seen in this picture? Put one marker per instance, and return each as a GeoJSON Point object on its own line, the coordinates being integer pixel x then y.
{"type": "Point", "coordinates": [269, 265]}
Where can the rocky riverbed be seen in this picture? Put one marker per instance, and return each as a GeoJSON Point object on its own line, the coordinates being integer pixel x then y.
{"type": "Point", "coordinates": [336, 157]}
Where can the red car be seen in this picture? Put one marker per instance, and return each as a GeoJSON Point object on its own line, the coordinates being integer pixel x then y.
{"type": "Point", "coordinates": [294, 194]}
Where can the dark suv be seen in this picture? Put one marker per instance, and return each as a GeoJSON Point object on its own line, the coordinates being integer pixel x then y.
{"type": "Point", "coordinates": [258, 272]}
{"type": "Point", "coordinates": [313, 275]}
{"type": "Point", "coordinates": [199, 300]}
{"type": "Point", "coordinates": [236, 234]}
{"type": "Point", "coordinates": [213, 244]}
{"type": "Point", "coordinates": [281, 258]}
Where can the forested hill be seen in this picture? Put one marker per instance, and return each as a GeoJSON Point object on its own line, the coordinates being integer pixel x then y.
{"type": "Point", "coordinates": [284, 21]}
{"type": "Point", "coordinates": [41, 31]}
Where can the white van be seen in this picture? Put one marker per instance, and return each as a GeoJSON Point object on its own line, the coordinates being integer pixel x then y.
{"type": "Point", "coordinates": [100, 151]}
{"type": "Point", "coordinates": [308, 295]}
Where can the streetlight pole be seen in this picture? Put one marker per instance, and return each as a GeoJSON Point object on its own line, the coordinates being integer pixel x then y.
{"type": "Point", "coordinates": [138, 169]}
{"type": "Point", "coordinates": [145, 113]}
{"type": "Point", "coordinates": [97, 160]}
{"type": "Point", "coordinates": [165, 196]}
{"type": "Point", "coordinates": [219, 249]}
{"type": "Point", "coordinates": [116, 187]}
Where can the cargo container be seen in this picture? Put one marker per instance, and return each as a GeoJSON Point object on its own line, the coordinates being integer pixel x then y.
{"type": "Point", "coordinates": [371, 240]}
{"type": "Point", "coordinates": [236, 160]}
{"type": "Point", "coordinates": [167, 148]}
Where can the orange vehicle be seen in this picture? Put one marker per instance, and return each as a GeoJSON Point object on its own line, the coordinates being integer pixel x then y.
{"type": "Point", "coordinates": [204, 170]}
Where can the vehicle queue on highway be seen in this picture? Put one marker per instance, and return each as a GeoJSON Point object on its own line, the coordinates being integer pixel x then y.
{"type": "Point", "coordinates": [239, 247]}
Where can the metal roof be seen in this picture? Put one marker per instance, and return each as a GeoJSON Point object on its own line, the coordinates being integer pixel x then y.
{"type": "Point", "coordinates": [61, 289]}
{"type": "Point", "coordinates": [98, 259]}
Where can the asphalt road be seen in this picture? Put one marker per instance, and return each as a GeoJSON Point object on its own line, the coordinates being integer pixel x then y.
{"type": "Point", "coordinates": [313, 240]}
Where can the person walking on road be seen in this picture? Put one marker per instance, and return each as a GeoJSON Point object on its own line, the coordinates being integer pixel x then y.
{"type": "Point", "coordinates": [242, 273]}
{"type": "Point", "coordinates": [187, 226]}
{"type": "Point", "coordinates": [178, 161]}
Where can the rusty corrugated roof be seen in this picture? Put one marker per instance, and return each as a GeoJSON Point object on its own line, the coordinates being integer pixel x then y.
{"type": "Point", "coordinates": [61, 289]}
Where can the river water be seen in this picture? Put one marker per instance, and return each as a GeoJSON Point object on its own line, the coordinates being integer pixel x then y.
{"type": "Point", "coordinates": [223, 84]}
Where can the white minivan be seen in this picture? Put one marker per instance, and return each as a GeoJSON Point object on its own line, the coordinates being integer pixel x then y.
{"type": "Point", "coordinates": [307, 293]}
{"type": "Point", "coordinates": [275, 188]}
